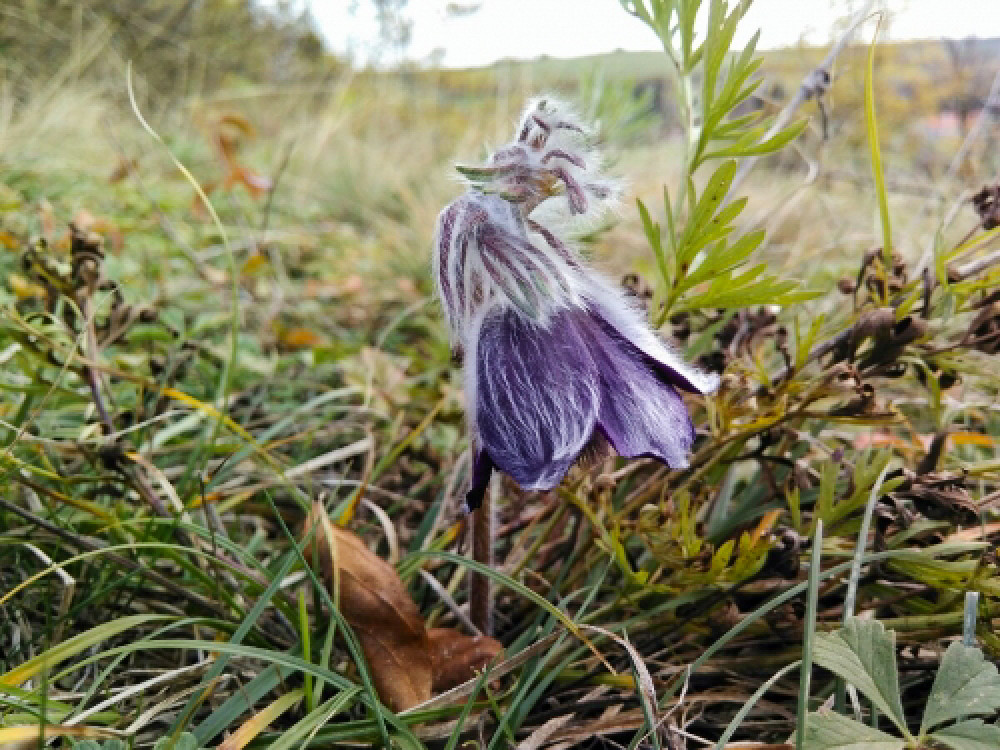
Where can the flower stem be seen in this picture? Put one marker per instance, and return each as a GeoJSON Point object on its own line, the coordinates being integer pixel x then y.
{"type": "Point", "coordinates": [480, 588]}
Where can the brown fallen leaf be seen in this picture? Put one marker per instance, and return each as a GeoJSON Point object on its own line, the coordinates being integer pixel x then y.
{"type": "Point", "coordinates": [456, 657]}
{"type": "Point", "coordinates": [377, 606]}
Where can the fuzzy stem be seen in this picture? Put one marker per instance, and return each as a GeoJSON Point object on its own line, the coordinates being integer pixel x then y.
{"type": "Point", "coordinates": [480, 588]}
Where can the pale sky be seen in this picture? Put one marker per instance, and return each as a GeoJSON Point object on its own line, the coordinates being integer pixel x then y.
{"type": "Point", "coordinates": [570, 28]}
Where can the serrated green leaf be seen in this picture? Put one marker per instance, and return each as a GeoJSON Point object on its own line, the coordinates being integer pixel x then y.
{"type": "Point", "coordinates": [805, 345]}
{"type": "Point", "coordinates": [772, 144]}
{"type": "Point", "coordinates": [734, 127]}
{"type": "Point", "coordinates": [653, 235]}
{"type": "Point", "coordinates": [723, 260]}
{"type": "Point", "coordinates": [739, 72]}
{"type": "Point", "coordinates": [650, 228]}
{"type": "Point", "coordinates": [707, 237]}
{"type": "Point", "coordinates": [723, 219]}
{"type": "Point", "coordinates": [831, 731]}
{"type": "Point", "coordinates": [712, 58]}
{"type": "Point", "coordinates": [973, 734]}
{"type": "Point", "coordinates": [965, 685]}
{"type": "Point", "coordinates": [734, 90]}
{"type": "Point", "coordinates": [718, 38]}
{"type": "Point", "coordinates": [728, 258]}
{"type": "Point", "coordinates": [687, 11]}
{"type": "Point", "coordinates": [671, 225]}
{"type": "Point", "coordinates": [710, 200]}
{"type": "Point", "coordinates": [752, 287]}
{"type": "Point", "coordinates": [864, 654]}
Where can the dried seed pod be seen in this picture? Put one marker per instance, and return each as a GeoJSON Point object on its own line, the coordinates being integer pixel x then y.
{"type": "Point", "coordinates": [862, 403]}
{"type": "Point", "coordinates": [930, 460]}
{"type": "Point", "coordinates": [889, 344]}
{"type": "Point", "coordinates": [938, 495]}
{"type": "Point", "coordinates": [984, 331]}
{"type": "Point", "coordinates": [987, 204]}
{"type": "Point", "coordinates": [945, 378]}
{"type": "Point", "coordinates": [847, 285]}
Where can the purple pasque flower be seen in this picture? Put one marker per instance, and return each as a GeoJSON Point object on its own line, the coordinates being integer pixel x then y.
{"type": "Point", "coordinates": [553, 351]}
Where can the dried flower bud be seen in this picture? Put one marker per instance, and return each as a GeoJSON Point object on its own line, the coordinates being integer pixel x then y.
{"type": "Point", "coordinates": [987, 205]}
{"type": "Point", "coordinates": [847, 286]}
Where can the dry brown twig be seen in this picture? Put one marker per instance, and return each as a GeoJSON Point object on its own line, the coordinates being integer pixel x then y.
{"type": "Point", "coordinates": [814, 84]}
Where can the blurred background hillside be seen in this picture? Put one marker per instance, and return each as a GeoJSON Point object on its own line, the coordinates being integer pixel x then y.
{"type": "Point", "coordinates": [272, 64]}
{"type": "Point", "coordinates": [220, 76]}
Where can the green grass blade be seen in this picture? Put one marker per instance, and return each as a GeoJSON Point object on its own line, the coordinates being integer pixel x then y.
{"type": "Point", "coordinates": [871, 130]}
{"type": "Point", "coordinates": [768, 606]}
{"type": "Point", "coordinates": [306, 648]}
{"type": "Point", "coordinates": [808, 633]}
{"type": "Point", "coordinates": [312, 721]}
{"type": "Point", "coordinates": [240, 702]}
{"type": "Point", "coordinates": [750, 703]}
{"type": "Point", "coordinates": [248, 622]}
{"type": "Point", "coordinates": [850, 598]}
{"type": "Point", "coordinates": [73, 646]}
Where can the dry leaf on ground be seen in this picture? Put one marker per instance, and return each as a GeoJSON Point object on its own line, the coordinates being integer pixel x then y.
{"type": "Point", "coordinates": [456, 657]}
{"type": "Point", "coordinates": [377, 606]}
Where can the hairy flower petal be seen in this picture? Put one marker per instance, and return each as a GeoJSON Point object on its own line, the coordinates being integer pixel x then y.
{"type": "Point", "coordinates": [553, 351]}
{"type": "Point", "coordinates": [537, 394]}
{"type": "Point", "coordinates": [610, 305]}
{"type": "Point", "coordinates": [641, 412]}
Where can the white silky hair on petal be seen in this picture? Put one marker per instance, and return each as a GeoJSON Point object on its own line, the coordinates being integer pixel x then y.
{"type": "Point", "coordinates": [542, 272]}
{"type": "Point", "coordinates": [552, 144]}
{"type": "Point", "coordinates": [470, 277]}
{"type": "Point", "coordinates": [624, 316]}
{"type": "Point", "coordinates": [555, 402]}
{"type": "Point", "coordinates": [568, 147]}
{"type": "Point", "coordinates": [556, 215]}
{"type": "Point", "coordinates": [445, 225]}
{"type": "Point", "coordinates": [470, 374]}
{"type": "Point", "coordinates": [552, 111]}
{"type": "Point", "coordinates": [643, 416]}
